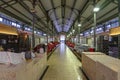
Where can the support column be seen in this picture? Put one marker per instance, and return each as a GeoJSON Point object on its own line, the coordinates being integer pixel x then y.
{"type": "Point", "coordinates": [47, 26]}
{"type": "Point", "coordinates": [47, 39]}
{"type": "Point", "coordinates": [33, 34]}
{"type": "Point", "coordinates": [119, 25]}
{"type": "Point", "coordinates": [94, 30]}
{"type": "Point", "coordinates": [79, 21]}
{"type": "Point", "coordinates": [23, 27]}
{"type": "Point", "coordinates": [52, 32]}
{"type": "Point", "coordinates": [33, 24]}
{"type": "Point", "coordinates": [39, 40]}
{"type": "Point", "coordinates": [79, 35]}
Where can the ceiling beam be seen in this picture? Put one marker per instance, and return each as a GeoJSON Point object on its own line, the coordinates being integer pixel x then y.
{"type": "Point", "coordinates": [72, 9]}
{"type": "Point", "coordinates": [7, 2]}
{"type": "Point", "coordinates": [39, 19]}
{"type": "Point", "coordinates": [10, 4]}
{"type": "Point", "coordinates": [81, 12]}
{"type": "Point", "coordinates": [78, 12]}
{"type": "Point", "coordinates": [66, 6]}
{"type": "Point", "coordinates": [28, 10]}
{"type": "Point", "coordinates": [52, 3]}
{"type": "Point", "coordinates": [64, 12]}
{"type": "Point", "coordinates": [63, 4]}
{"type": "Point", "coordinates": [111, 17]}
{"type": "Point", "coordinates": [13, 15]}
{"type": "Point", "coordinates": [105, 4]}
{"type": "Point", "coordinates": [87, 27]}
{"type": "Point", "coordinates": [5, 5]}
{"type": "Point", "coordinates": [45, 12]}
{"type": "Point", "coordinates": [16, 10]}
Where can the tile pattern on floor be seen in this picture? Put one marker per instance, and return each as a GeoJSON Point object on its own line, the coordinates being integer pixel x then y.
{"type": "Point", "coordinates": [63, 65]}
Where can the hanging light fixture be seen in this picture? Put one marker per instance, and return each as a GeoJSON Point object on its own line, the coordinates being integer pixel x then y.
{"type": "Point", "coordinates": [96, 9]}
{"type": "Point", "coordinates": [44, 34]}
{"type": "Point", "coordinates": [73, 30]}
{"type": "Point", "coordinates": [79, 25]}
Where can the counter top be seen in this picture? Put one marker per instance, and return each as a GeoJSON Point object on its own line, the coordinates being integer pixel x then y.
{"type": "Point", "coordinates": [25, 70]}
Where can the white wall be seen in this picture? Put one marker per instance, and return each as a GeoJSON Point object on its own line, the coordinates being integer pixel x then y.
{"type": "Point", "coordinates": [37, 41]}
{"type": "Point", "coordinates": [83, 40]}
{"type": "Point", "coordinates": [43, 39]}
{"type": "Point", "coordinates": [90, 42]}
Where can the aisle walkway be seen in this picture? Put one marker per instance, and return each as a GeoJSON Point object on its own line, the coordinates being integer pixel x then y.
{"type": "Point", "coordinates": [63, 65]}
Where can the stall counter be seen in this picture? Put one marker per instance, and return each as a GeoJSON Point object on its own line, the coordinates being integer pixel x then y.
{"type": "Point", "coordinates": [29, 70]}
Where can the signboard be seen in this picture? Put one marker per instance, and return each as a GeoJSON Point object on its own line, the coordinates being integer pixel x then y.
{"type": "Point", "coordinates": [115, 31]}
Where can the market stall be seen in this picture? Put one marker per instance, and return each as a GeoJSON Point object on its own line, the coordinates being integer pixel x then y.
{"type": "Point", "coordinates": [14, 66]}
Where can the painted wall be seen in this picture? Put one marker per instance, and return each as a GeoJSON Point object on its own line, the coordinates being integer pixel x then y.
{"type": "Point", "coordinates": [90, 41]}
{"type": "Point", "coordinates": [37, 40]}
{"type": "Point", "coordinates": [83, 40]}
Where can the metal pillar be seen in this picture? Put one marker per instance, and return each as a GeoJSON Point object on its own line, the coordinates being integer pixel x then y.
{"type": "Point", "coordinates": [79, 28]}
{"type": "Point", "coordinates": [52, 32]}
{"type": "Point", "coordinates": [33, 34]}
{"type": "Point", "coordinates": [94, 30]}
{"type": "Point", "coordinates": [119, 25]}
{"type": "Point", "coordinates": [39, 40]}
{"type": "Point", "coordinates": [47, 26]}
{"type": "Point", "coordinates": [47, 39]}
{"type": "Point", "coordinates": [33, 25]}
{"type": "Point", "coordinates": [79, 35]}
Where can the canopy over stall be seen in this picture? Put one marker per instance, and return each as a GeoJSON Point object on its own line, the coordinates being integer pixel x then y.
{"type": "Point", "coordinates": [4, 29]}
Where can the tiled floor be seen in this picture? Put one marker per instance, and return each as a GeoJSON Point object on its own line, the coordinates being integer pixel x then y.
{"type": "Point", "coordinates": [63, 65]}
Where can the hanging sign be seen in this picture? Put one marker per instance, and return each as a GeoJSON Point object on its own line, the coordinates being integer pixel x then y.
{"type": "Point", "coordinates": [115, 31]}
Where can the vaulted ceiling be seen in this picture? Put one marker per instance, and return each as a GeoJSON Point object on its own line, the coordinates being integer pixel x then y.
{"type": "Point", "coordinates": [55, 16]}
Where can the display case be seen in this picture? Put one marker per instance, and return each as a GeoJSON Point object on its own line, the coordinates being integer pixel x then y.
{"type": "Point", "coordinates": [9, 42]}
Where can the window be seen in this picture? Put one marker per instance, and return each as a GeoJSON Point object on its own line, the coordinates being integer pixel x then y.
{"type": "Point", "coordinates": [40, 33]}
{"type": "Point", "coordinates": [91, 32]}
{"type": "Point", "coordinates": [81, 34]}
{"type": "Point", "coordinates": [4, 21]}
{"type": "Point", "coordinates": [18, 26]}
{"type": "Point", "coordinates": [99, 30]}
{"type": "Point", "coordinates": [13, 24]}
{"type": "Point", "coordinates": [8, 22]}
{"type": "Point", "coordinates": [115, 24]}
{"type": "Point", "coordinates": [62, 37]}
{"type": "Point", "coordinates": [35, 32]}
{"type": "Point", "coordinates": [1, 19]}
{"type": "Point", "coordinates": [108, 26]}
{"type": "Point", "coordinates": [27, 29]}
{"type": "Point", "coordinates": [87, 33]}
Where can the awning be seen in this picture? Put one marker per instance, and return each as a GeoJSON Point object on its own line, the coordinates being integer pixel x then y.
{"type": "Point", "coordinates": [4, 29]}
{"type": "Point", "coordinates": [115, 31]}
